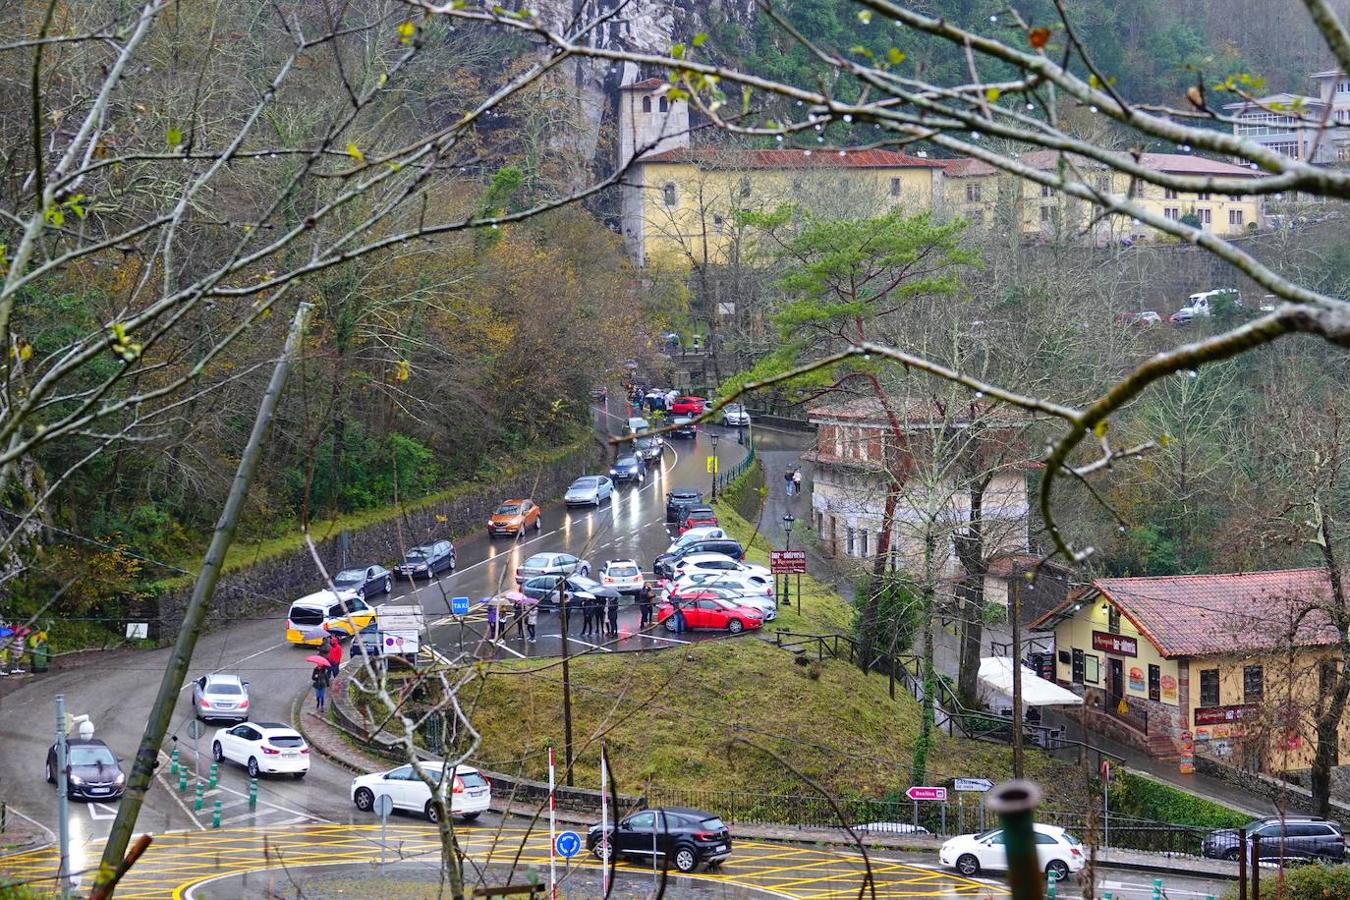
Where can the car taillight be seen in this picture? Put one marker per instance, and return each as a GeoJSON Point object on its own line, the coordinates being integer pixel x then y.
{"type": "Point", "coordinates": [705, 835]}
{"type": "Point", "coordinates": [289, 626]}
{"type": "Point", "coordinates": [605, 579]}
{"type": "Point", "coordinates": [205, 703]}
{"type": "Point", "coordinates": [243, 705]}
{"type": "Point", "coordinates": [1075, 851]}
{"type": "Point", "coordinates": [459, 785]}
{"type": "Point", "coordinates": [304, 749]}
{"type": "Point", "coordinates": [270, 751]}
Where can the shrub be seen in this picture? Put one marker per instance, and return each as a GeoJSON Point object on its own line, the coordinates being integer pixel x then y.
{"type": "Point", "coordinates": [1314, 882]}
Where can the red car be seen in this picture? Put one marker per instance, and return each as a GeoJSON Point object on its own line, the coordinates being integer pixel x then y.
{"type": "Point", "coordinates": [701, 609]}
{"type": "Point", "coordinates": [698, 518]}
{"type": "Point", "coordinates": [688, 406]}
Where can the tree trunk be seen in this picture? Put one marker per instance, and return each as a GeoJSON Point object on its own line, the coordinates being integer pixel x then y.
{"type": "Point", "coordinates": [919, 770]}
{"type": "Point", "coordinates": [161, 714]}
{"type": "Point", "coordinates": [970, 552]}
{"type": "Point", "coordinates": [1329, 718]}
{"type": "Point", "coordinates": [869, 611]}
{"type": "Point", "coordinates": [1015, 616]}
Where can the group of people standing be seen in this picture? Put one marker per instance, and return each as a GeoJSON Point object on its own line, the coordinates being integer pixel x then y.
{"type": "Point", "coordinates": [600, 616]}
{"type": "Point", "coordinates": [504, 614]}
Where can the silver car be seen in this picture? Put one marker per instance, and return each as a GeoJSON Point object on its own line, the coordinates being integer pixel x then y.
{"type": "Point", "coordinates": [735, 415]}
{"type": "Point", "coordinates": [219, 696]}
{"type": "Point", "coordinates": [552, 564]}
{"type": "Point", "coordinates": [589, 490]}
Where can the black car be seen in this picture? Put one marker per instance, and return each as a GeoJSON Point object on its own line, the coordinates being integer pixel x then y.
{"type": "Point", "coordinates": [364, 581]}
{"type": "Point", "coordinates": [664, 565]}
{"type": "Point", "coordinates": [684, 427]}
{"type": "Point", "coordinates": [674, 836]}
{"type": "Point", "coordinates": [679, 498]}
{"type": "Point", "coordinates": [694, 510]}
{"type": "Point", "coordinates": [628, 468]}
{"type": "Point", "coordinates": [649, 448]}
{"type": "Point", "coordinates": [544, 588]}
{"type": "Point", "coordinates": [1296, 837]}
{"type": "Point", "coordinates": [425, 561]}
{"type": "Point", "coordinates": [92, 771]}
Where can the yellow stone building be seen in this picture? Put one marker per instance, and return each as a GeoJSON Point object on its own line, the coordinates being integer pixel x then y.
{"type": "Point", "coordinates": [1240, 663]}
{"type": "Point", "coordinates": [991, 198]}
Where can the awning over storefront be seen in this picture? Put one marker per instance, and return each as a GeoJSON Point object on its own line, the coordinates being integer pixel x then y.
{"type": "Point", "coordinates": [996, 677]}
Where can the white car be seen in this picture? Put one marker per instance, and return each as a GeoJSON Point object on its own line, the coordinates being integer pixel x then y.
{"type": "Point", "coordinates": [1057, 850]}
{"type": "Point", "coordinates": [264, 748]}
{"type": "Point", "coordinates": [624, 575]}
{"type": "Point", "coordinates": [720, 562]}
{"type": "Point", "coordinates": [734, 415]}
{"type": "Point", "coordinates": [752, 585]}
{"type": "Point", "coordinates": [702, 533]}
{"type": "Point", "coordinates": [470, 794]}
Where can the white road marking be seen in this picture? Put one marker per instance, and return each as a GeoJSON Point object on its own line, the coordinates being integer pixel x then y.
{"type": "Point", "coordinates": [233, 663]}
{"type": "Point", "coordinates": [100, 811]}
{"type": "Point", "coordinates": [502, 645]}
{"type": "Point", "coordinates": [659, 637]}
{"type": "Point", "coordinates": [577, 640]}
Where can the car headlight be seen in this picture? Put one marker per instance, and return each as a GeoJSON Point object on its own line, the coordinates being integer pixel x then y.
{"type": "Point", "coordinates": [75, 779]}
{"type": "Point", "coordinates": [420, 567]}
{"type": "Point", "coordinates": [121, 777]}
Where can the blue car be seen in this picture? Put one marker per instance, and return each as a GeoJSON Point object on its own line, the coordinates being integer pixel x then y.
{"type": "Point", "coordinates": [628, 468]}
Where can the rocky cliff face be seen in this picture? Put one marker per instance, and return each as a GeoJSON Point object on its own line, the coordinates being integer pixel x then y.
{"type": "Point", "coordinates": [647, 26]}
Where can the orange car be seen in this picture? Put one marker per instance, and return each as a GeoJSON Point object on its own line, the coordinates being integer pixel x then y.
{"type": "Point", "coordinates": [513, 517]}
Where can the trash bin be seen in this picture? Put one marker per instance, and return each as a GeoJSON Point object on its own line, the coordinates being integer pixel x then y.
{"type": "Point", "coordinates": [41, 656]}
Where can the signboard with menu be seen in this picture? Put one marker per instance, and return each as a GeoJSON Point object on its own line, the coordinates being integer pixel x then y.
{"type": "Point", "coordinates": [787, 562]}
{"type": "Point", "coordinates": [1115, 643]}
{"type": "Point", "coordinates": [1222, 715]}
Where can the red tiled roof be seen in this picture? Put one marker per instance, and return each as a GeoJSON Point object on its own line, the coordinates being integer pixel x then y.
{"type": "Point", "coordinates": [821, 158]}
{"type": "Point", "coordinates": [645, 85]}
{"type": "Point", "coordinates": [1179, 163]}
{"type": "Point", "coordinates": [1206, 615]}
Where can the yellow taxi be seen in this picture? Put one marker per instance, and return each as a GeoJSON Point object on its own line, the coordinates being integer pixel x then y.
{"type": "Point", "coordinates": [311, 617]}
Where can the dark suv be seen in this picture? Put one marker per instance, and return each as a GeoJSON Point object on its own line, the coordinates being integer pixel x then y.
{"type": "Point", "coordinates": [678, 498]}
{"type": "Point", "coordinates": [674, 836]}
{"type": "Point", "coordinates": [1299, 837]}
{"type": "Point", "coordinates": [664, 565]}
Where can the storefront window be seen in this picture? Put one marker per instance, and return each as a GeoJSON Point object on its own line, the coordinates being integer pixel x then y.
{"type": "Point", "coordinates": [1209, 687]}
{"type": "Point", "coordinates": [1252, 684]}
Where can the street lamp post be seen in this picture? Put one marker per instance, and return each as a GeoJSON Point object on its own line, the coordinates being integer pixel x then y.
{"type": "Point", "coordinates": [713, 436]}
{"type": "Point", "coordinates": [788, 521]}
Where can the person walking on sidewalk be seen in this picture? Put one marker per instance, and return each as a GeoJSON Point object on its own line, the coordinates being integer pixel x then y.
{"type": "Point", "coordinates": [645, 598]}
{"type": "Point", "coordinates": [787, 482]}
{"type": "Point", "coordinates": [531, 619]}
{"type": "Point", "coordinates": [334, 658]}
{"type": "Point", "coordinates": [319, 678]}
{"type": "Point", "coordinates": [612, 606]}
{"type": "Point", "coordinates": [796, 482]}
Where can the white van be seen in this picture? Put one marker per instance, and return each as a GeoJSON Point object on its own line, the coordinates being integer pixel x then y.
{"type": "Point", "coordinates": [1202, 304]}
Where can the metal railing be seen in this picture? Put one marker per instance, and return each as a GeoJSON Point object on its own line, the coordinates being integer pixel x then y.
{"type": "Point", "coordinates": [1133, 716]}
{"type": "Point", "coordinates": [959, 815]}
{"type": "Point", "coordinates": [724, 479]}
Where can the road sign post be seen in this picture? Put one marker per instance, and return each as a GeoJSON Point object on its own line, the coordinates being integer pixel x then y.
{"type": "Point", "coordinates": [459, 607]}
{"type": "Point", "coordinates": [195, 730]}
{"type": "Point", "coordinates": [973, 785]}
{"type": "Point", "coordinates": [552, 829]}
{"type": "Point", "coordinates": [927, 793]}
{"type": "Point", "coordinates": [384, 805]}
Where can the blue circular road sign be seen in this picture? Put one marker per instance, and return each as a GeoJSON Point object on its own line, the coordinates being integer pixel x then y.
{"type": "Point", "coordinates": [568, 844]}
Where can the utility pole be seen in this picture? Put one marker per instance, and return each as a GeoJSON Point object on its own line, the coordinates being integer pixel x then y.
{"type": "Point", "coordinates": [1015, 612]}
{"type": "Point", "coordinates": [567, 684]}
{"type": "Point", "coordinates": [62, 798]}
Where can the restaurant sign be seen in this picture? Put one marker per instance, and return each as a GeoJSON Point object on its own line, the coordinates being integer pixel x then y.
{"type": "Point", "coordinates": [1218, 715]}
{"type": "Point", "coordinates": [1115, 643]}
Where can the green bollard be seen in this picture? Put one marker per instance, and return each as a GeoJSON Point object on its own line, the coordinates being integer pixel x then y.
{"type": "Point", "coordinates": [173, 761]}
{"type": "Point", "coordinates": [215, 814]}
{"type": "Point", "coordinates": [201, 789]}
{"type": "Point", "coordinates": [182, 779]}
{"type": "Point", "coordinates": [253, 793]}
{"type": "Point", "coordinates": [1050, 888]}
{"type": "Point", "coordinates": [215, 774]}
{"type": "Point", "coordinates": [1157, 889]}
{"type": "Point", "coordinates": [1106, 896]}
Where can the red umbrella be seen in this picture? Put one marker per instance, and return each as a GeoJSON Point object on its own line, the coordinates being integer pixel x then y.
{"type": "Point", "coordinates": [318, 660]}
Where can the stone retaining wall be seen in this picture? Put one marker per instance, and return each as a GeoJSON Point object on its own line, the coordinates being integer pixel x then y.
{"type": "Point", "coordinates": [270, 585]}
{"type": "Point", "coordinates": [1290, 797]}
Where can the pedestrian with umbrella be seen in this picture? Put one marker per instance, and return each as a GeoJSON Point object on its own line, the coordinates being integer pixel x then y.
{"type": "Point", "coordinates": [334, 657]}
{"type": "Point", "coordinates": [492, 620]}
{"type": "Point", "coordinates": [320, 679]}
{"type": "Point", "coordinates": [531, 616]}
{"type": "Point", "coordinates": [645, 599]}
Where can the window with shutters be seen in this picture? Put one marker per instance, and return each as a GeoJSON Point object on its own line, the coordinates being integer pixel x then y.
{"type": "Point", "coordinates": [1209, 687]}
